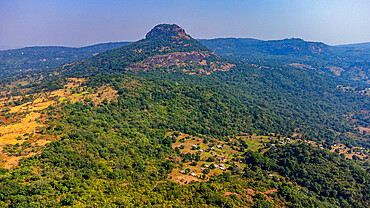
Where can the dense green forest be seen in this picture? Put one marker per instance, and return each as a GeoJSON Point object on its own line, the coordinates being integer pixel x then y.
{"type": "Point", "coordinates": [276, 127]}
{"type": "Point", "coordinates": [115, 152]}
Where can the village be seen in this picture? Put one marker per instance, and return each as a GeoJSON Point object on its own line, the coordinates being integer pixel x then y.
{"type": "Point", "coordinates": [203, 157]}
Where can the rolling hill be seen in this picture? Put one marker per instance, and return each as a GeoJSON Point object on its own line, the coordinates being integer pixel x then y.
{"type": "Point", "coordinates": [18, 61]}
{"type": "Point", "coordinates": [356, 45]}
{"type": "Point", "coordinates": [350, 63]}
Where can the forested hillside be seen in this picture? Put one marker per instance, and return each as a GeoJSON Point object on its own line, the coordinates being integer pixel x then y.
{"type": "Point", "coordinates": [166, 122]}
{"type": "Point", "coordinates": [350, 62]}
{"type": "Point", "coordinates": [18, 61]}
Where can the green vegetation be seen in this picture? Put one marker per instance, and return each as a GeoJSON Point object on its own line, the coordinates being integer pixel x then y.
{"type": "Point", "coordinates": [350, 63]}
{"type": "Point", "coordinates": [18, 61]}
{"type": "Point", "coordinates": [117, 151]}
{"type": "Point", "coordinates": [124, 150]}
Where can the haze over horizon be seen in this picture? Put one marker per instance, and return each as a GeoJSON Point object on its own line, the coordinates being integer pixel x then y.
{"type": "Point", "coordinates": [82, 23]}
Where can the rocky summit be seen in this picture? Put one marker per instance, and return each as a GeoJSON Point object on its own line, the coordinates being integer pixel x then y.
{"type": "Point", "coordinates": [163, 30]}
{"type": "Point", "coordinates": [166, 48]}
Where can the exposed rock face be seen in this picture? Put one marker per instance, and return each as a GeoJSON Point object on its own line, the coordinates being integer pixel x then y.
{"type": "Point", "coordinates": [162, 30]}
{"type": "Point", "coordinates": [185, 61]}
{"type": "Point", "coordinates": [297, 46]}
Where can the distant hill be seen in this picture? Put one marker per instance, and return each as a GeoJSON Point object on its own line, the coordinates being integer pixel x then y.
{"type": "Point", "coordinates": [293, 46]}
{"type": "Point", "coordinates": [357, 45]}
{"type": "Point", "coordinates": [165, 47]}
{"type": "Point", "coordinates": [347, 62]}
{"type": "Point", "coordinates": [16, 61]}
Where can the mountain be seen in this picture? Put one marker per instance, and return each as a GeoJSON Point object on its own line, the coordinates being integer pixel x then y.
{"type": "Point", "coordinates": [235, 47]}
{"type": "Point", "coordinates": [346, 62]}
{"type": "Point", "coordinates": [165, 47]}
{"type": "Point", "coordinates": [17, 61]}
{"type": "Point", "coordinates": [356, 45]}
{"type": "Point", "coordinates": [157, 124]}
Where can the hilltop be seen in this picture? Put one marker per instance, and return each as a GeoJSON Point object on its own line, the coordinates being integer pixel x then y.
{"type": "Point", "coordinates": [165, 48]}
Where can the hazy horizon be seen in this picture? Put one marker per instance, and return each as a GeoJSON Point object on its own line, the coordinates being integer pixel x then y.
{"type": "Point", "coordinates": [4, 47]}
{"type": "Point", "coordinates": [83, 23]}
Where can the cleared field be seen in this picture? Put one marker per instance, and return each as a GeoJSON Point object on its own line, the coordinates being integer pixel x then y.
{"type": "Point", "coordinates": [220, 151]}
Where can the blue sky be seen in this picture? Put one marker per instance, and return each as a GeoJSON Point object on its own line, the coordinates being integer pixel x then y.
{"type": "Point", "coordinates": [85, 22]}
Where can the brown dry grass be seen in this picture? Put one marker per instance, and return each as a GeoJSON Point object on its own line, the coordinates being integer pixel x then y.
{"type": "Point", "coordinates": [24, 121]}
{"type": "Point", "coordinates": [26, 116]}
{"type": "Point", "coordinates": [364, 129]}
{"type": "Point", "coordinates": [12, 131]}
{"type": "Point", "coordinates": [250, 192]}
{"type": "Point", "coordinates": [37, 105]}
{"type": "Point", "coordinates": [75, 82]}
{"type": "Point", "coordinates": [14, 160]}
{"type": "Point", "coordinates": [301, 66]}
{"type": "Point", "coordinates": [106, 92]}
{"type": "Point", "coordinates": [336, 70]}
{"type": "Point", "coordinates": [26, 125]}
{"type": "Point", "coordinates": [232, 193]}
